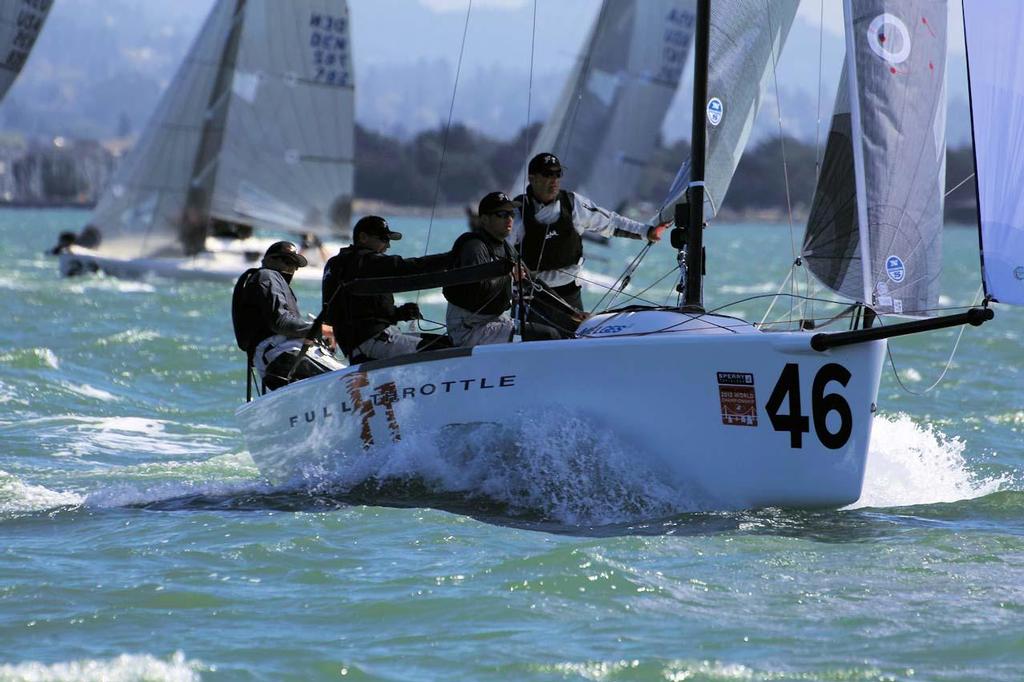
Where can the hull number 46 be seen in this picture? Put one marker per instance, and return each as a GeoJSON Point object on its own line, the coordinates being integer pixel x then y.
{"type": "Point", "coordinates": [787, 390]}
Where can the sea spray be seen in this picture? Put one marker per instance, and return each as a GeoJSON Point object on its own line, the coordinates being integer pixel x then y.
{"type": "Point", "coordinates": [554, 463]}
{"type": "Point", "coordinates": [909, 463]}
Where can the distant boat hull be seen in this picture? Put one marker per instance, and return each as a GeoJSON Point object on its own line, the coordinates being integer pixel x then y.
{"type": "Point", "coordinates": [690, 404]}
{"type": "Point", "coordinates": [224, 260]}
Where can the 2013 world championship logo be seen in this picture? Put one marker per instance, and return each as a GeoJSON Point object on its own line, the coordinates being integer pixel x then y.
{"type": "Point", "coordinates": [736, 394]}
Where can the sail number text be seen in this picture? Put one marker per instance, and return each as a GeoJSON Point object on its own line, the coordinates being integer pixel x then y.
{"type": "Point", "coordinates": [787, 390]}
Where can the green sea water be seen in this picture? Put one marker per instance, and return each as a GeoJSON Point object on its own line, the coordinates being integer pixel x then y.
{"type": "Point", "coordinates": [139, 542]}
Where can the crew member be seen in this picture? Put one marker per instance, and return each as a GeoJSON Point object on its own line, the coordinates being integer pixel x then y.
{"type": "Point", "coordinates": [268, 325]}
{"type": "Point", "coordinates": [365, 324]}
{"type": "Point", "coordinates": [549, 225]}
{"type": "Point", "coordinates": [478, 312]}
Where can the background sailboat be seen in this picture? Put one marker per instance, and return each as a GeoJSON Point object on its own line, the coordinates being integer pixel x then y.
{"type": "Point", "coordinates": [20, 24]}
{"type": "Point", "coordinates": [607, 122]}
{"type": "Point", "coordinates": [254, 132]}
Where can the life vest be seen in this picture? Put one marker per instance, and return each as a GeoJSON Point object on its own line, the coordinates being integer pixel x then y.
{"type": "Point", "coordinates": [490, 297]}
{"type": "Point", "coordinates": [549, 247]}
{"type": "Point", "coordinates": [355, 319]}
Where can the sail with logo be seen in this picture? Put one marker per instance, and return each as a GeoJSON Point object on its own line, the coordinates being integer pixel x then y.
{"type": "Point", "coordinates": [256, 129]}
{"type": "Point", "coordinates": [746, 38]}
{"type": "Point", "coordinates": [995, 56]}
{"type": "Point", "coordinates": [874, 233]}
{"type": "Point", "coordinates": [20, 24]}
{"type": "Point", "coordinates": [606, 123]}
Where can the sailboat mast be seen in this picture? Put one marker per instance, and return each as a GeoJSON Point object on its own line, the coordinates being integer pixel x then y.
{"type": "Point", "coordinates": [694, 296]}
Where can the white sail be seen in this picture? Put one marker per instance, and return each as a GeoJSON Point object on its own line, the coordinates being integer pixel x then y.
{"type": "Point", "coordinates": [745, 34]}
{"type": "Point", "coordinates": [607, 121]}
{"type": "Point", "coordinates": [286, 161]}
{"type": "Point", "coordinates": [256, 127]}
{"type": "Point", "coordinates": [875, 229]}
{"type": "Point", "coordinates": [995, 61]}
{"type": "Point", "coordinates": [20, 23]}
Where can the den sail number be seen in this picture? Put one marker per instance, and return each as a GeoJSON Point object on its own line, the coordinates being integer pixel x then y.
{"type": "Point", "coordinates": [787, 389]}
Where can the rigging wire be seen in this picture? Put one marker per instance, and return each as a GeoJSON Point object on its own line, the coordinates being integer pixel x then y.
{"type": "Point", "coordinates": [529, 99]}
{"type": "Point", "coordinates": [447, 130]}
{"type": "Point", "coordinates": [949, 360]}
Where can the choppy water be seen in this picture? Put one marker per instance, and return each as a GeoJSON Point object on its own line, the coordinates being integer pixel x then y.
{"type": "Point", "coordinates": [139, 542]}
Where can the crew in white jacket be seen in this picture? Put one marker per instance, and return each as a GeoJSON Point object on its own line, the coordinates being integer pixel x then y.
{"type": "Point", "coordinates": [548, 230]}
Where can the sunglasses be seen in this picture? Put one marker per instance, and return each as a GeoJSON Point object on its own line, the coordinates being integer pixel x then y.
{"type": "Point", "coordinates": [551, 174]}
{"type": "Point", "coordinates": [504, 214]}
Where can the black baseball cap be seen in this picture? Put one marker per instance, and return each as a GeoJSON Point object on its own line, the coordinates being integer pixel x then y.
{"type": "Point", "coordinates": [544, 162]}
{"type": "Point", "coordinates": [376, 226]}
{"type": "Point", "coordinates": [494, 202]}
{"type": "Point", "coordinates": [285, 252]}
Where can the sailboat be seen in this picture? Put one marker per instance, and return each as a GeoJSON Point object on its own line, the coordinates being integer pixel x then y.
{"type": "Point", "coordinates": [20, 24]}
{"type": "Point", "coordinates": [731, 413]}
{"type": "Point", "coordinates": [253, 135]}
{"type": "Point", "coordinates": [606, 124]}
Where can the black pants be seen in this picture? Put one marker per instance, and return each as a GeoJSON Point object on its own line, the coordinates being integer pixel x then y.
{"type": "Point", "coordinates": [536, 331]}
{"type": "Point", "coordinates": [546, 310]}
{"type": "Point", "coordinates": [277, 371]}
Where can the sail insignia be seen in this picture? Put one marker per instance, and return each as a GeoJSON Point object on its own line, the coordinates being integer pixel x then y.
{"type": "Point", "coordinates": [20, 24]}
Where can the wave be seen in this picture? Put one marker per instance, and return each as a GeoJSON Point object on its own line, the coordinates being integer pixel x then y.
{"type": "Point", "coordinates": [124, 667]}
{"type": "Point", "coordinates": [18, 497]}
{"type": "Point", "coordinates": [914, 464]}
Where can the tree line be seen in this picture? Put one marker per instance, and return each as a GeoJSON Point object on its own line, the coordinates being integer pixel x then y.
{"type": "Point", "coordinates": [411, 173]}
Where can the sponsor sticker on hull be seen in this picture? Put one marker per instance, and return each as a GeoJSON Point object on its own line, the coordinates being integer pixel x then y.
{"type": "Point", "coordinates": [736, 394]}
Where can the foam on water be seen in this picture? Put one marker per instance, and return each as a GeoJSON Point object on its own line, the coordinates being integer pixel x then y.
{"type": "Point", "coordinates": [101, 283]}
{"type": "Point", "coordinates": [555, 464]}
{"type": "Point", "coordinates": [910, 464]}
{"type": "Point", "coordinates": [18, 497]}
{"type": "Point", "coordinates": [88, 391]}
{"type": "Point", "coordinates": [126, 436]}
{"type": "Point", "coordinates": [32, 358]}
{"type": "Point", "coordinates": [124, 668]}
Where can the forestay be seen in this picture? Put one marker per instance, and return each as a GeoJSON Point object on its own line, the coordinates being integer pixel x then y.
{"type": "Point", "coordinates": [874, 233]}
{"type": "Point", "coordinates": [746, 37]}
{"type": "Point", "coordinates": [995, 61]}
{"type": "Point", "coordinates": [256, 128]}
{"type": "Point", "coordinates": [20, 23]}
{"type": "Point", "coordinates": [606, 123]}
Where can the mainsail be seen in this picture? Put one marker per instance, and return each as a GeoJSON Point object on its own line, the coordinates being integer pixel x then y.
{"type": "Point", "coordinates": [874, 233]}
{"type": "Point", "coordinates": [606, 123]}
{"type": "Point", "coordinates": [995, 55]}
{"type": "Point", "coordinates": [20, 23]}
{"type": "Point", "coordinates": [256, 128]}
{"type": "Point", "coordinates": [746, 36]}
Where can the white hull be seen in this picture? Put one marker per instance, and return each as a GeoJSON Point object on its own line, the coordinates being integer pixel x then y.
{"type": "Point", "coordinates": [660, 395]}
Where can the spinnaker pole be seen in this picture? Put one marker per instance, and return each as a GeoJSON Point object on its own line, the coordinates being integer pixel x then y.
{"type": "Point", "coordinates": [694, 294]}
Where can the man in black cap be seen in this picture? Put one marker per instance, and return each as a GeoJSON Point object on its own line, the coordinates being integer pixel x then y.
{"type": "Point", "coordinates": [365, 324]}
{"type": "Point", "coordinates": [268, 325]}
{"type": "Point", "coordinates": [478, 312]}
{"type": "Point", "coordinates": [549, 225]}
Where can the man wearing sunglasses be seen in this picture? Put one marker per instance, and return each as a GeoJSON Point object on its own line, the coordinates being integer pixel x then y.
{"type": "Point", "coordinates": [549, 225]}
{"type": "Point", "coordinates": [478, 312]}
{"type": "Point", "coordinates": [365, 324]}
